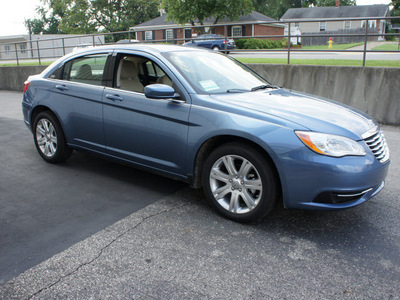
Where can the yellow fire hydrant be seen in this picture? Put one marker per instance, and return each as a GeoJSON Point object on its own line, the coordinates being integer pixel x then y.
{"type": "Point", "coordinates": [330, 42]}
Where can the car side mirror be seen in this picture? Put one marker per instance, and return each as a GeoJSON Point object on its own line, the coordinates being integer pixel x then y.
{"type": "Point", "coordinates": [159, 91]}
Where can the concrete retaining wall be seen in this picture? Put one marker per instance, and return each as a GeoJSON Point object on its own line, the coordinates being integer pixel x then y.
{"type": "Point", "coordinates": [13, 78]}
{"type": "Point", "coordinates": [375, 91]}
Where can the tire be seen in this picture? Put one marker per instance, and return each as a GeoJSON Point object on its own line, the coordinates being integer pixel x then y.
{"type": "Point", "coordinates": [49, 138]}
{"type": "Point", "coordinates": [215, 48]}
{"type": "Point", "coordinates": [240, 183]}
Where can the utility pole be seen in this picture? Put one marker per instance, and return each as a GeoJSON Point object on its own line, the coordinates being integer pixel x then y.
{"type": "Point", "coordinates": [30, 36]}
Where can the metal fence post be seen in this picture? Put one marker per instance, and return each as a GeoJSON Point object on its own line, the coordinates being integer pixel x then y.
{"type": "Point", "coordinates": [365, 42]}
{"type": "Point", "coordinates": [129, 36]}
{"type": "Point", "coordinates": [288, 45]}
{"type": "Point", "coordinates": [94, 42]}
{"type": "Point", "coordinates": [38, 51]}
{"type": "Point", "coordinates": [226, 40]}
{"type": "Point", "coordinates": [16, 54]}
{"type": "Point", "coordinates": [63, 46]}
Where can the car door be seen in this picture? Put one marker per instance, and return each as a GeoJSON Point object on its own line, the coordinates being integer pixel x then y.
{"type": "Point", "coordinates": [79, 92]}
{"type": "Point", "coordinates": [206, 43]}
{"type": "Point", "coordinates": [145, 131]}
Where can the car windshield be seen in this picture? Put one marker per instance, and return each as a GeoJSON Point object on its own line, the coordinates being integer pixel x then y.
{"type": "Point", "coordinates": [214, 73]}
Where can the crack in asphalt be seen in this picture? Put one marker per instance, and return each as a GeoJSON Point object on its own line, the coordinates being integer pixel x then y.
{"type": "Point", "coordinates": [103, 249]}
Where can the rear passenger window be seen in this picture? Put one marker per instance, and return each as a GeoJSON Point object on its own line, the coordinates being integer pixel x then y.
{"type": "Point", "coordinates": [87, 69]}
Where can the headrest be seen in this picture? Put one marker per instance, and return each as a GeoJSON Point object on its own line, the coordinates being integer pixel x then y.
{"type": "Point", "coordinates": [128, 69]}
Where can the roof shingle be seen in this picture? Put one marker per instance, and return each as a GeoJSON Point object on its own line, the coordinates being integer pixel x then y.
{"type": "Point", "coordinates": [329, 12]}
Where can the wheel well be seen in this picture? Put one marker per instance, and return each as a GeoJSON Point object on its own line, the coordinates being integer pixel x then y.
{"type": "Point", "coordinates": [214, 143]}
{"type": "Point", "coordinates": [37, 110]}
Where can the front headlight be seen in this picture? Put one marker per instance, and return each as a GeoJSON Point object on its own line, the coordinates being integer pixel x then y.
{"type": "Point", "coordinates": [329, 144]}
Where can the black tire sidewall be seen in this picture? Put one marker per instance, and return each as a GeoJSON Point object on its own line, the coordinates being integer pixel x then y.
{"type": "Point", "coordinates": [62, 151]}
{"type": "Point", "coordinates": [268, 178]}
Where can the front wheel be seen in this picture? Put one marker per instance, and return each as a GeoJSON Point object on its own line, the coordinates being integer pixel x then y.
{"type": "Point", "coordinates": [215, 48]}
{"type": "Point", "coordinates": [239, 182]}
{"type": "Point", "coordinates": [49, 138]}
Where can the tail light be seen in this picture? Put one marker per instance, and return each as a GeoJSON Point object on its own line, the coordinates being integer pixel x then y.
{"type": "Point", "coordinates": [26, 85]}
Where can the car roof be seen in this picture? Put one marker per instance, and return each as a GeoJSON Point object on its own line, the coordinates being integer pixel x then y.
{"type": "Point", "coordinates": [154, 49]}
{"type": "Point", "coordinates": [146, 47]}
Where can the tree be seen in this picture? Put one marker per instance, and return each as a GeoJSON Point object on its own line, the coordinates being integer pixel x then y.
{"type": "Point", "coordinates": [197, 11]}
{"type": "Point", "coordinates": [333, 2]}
{"type": "Point", "coordinates": [89, 16]}
{"type": "Point", "coordinates": [50, 14]}
{"type": "Point", "coordinates": [276, 8]}
{"type": "Point", "coordinates": [395, 12]}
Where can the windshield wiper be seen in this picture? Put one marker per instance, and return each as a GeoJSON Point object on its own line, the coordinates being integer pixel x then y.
{"type": "Point", "coordinates": [263, 86]}
{"type": "Point", "coordinates": [237, 91]}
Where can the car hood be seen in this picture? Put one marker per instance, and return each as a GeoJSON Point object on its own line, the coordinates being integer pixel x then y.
{"type": "Point", "coordinates": [315, 113]}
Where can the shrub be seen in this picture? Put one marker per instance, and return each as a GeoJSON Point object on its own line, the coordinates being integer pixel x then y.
{"type": "Point", "coordinates": [240, 43]}
{"type": "Point", "coordinates": [285, 43]}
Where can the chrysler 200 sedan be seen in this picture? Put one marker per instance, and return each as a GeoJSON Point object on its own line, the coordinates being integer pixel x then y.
{"type": "Point", "coordinates": [202, 117]}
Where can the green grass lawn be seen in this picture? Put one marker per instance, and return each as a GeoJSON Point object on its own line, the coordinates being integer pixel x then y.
{"type": "Point", "coordinates": [389, 47]}
{"type": "Point", "coordinates": [321, 62]}
{"type": "Point", "coordinates": [334, 46]}
{"type": "Point", "coordinates": [27, 63]}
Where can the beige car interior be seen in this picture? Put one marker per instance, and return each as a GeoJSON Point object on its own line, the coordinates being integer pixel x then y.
{"type": "Point", "coordinates": [130, 75]}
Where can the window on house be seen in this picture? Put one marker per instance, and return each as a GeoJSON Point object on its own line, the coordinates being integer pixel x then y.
{"type": "Point", "coordinates": [371, 24]}
{"type": "Point", "coordinates": [322, 26]}
{"type": "Point", "coordinates": [22, 47]}
{"type": "Point", "coordinates": [236, 30]}
{"type": "Point", "coordinates": [7, 49]}
{"type": "Point", "coordinates": [169, 34]}
{"type": "Point", "coordinates": [347, 24]}
{"type": "Point", "coordinates": [296, 24]}
{"type": "Point", "coordinates": [148, 35]}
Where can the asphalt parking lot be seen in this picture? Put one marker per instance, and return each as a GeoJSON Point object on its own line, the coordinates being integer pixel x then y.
{"type": "Point", "coordinates": [92, 229]}
{"type": "Point", "coordinates": [46, 208]}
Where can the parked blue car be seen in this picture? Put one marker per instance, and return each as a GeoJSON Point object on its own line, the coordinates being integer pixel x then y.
{"type": "Point", "coordinates": [212, 41]}
{"type": "Point", "coordinates": [204, 118]}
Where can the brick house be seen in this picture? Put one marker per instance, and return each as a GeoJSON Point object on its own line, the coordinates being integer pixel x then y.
{"type": "Point", "coordinates": [246, 26]}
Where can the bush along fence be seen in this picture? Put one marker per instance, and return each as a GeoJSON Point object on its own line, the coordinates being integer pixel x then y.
{"type": "Point", "coordinates": [262, 44]}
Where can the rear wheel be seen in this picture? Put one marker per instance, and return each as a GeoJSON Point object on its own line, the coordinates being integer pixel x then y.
{"type": "Point", "coordinates": [49, 138]}
{"type": "Point", "coordinates": [239, 182]}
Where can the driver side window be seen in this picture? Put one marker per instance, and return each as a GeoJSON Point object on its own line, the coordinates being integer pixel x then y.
{"type": "Point", "coordinates": [135, 72]}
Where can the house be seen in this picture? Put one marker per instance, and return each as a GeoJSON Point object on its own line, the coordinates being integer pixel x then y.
{"type": "Point", "coordinates": [50, 45]}
{"type": "Point", "coordinates": [246, 26]}
{"type": "Point", "coordinates": [300, 15]}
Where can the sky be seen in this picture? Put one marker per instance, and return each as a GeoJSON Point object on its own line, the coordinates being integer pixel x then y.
{"type": "Point", "coordinates": [14, 12]}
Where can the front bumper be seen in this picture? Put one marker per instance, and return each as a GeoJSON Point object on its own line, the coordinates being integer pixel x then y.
{"type": "Point", "coordinates": [312, 181]}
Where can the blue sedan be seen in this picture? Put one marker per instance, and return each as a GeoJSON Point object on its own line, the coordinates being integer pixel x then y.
{"type": "Point", "coordinates": [204, 118]}
{"type": "Point", "coordinates": [212, 41]}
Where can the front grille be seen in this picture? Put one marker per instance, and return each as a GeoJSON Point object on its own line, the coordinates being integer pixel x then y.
{"type": "Point", "coordinates": [378, 146]}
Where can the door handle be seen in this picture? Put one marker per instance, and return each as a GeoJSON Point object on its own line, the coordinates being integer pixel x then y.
{"type": "Point", "coordinates": [114, 97]}
{"type": "Point", "coordinates": [61, 87]}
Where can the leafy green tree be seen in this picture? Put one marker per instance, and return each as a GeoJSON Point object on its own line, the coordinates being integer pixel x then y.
{"type": "Point", "coordinates": [395, 12]}
{"type": "Point", "coordinates": [197, 11]}
{"type": "Point", "coordinates": [89, 16]}
{"type": "Point", "coordinates": [277, 8]}
{"type": "Point", "coordinates": [333, 2]}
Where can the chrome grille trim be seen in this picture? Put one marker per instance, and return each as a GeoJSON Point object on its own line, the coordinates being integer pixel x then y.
{"type": "Point", "coordinates": [377, 143]}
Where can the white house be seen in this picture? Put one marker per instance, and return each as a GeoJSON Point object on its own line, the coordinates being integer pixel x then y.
{"type": "Point", "coordinates": [300, 16]}
{"type": "Point", "coordinates": [50, 45]}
